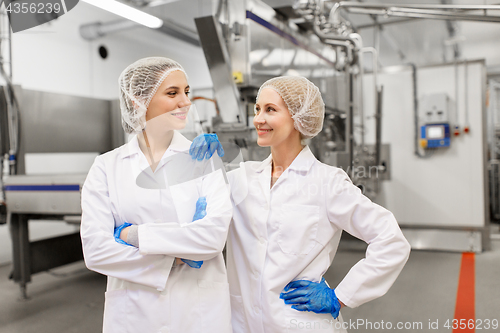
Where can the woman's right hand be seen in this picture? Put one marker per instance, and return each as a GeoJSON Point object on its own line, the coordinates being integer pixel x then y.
{"type": "Point", "coordinates": [204, 146]}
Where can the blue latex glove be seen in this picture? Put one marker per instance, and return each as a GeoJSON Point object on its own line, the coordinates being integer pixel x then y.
{"type": "Point", "coordinates": [192, 263]}
{"type": "Point", "coordinates": [311, 296]}
{"type": "Point", "coordinates": [201, 212]}
{"type": "Point", "coordinates": [201, 209]}
{"type": "Point", "coordinates": [118, 231]}
{"type": "Point", "coordinates": [204, 146]}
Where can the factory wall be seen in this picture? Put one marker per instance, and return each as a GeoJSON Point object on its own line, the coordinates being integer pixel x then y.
{"type": "Point", "coordinates": [446, 189]}
{"type": "Point", "coordinates": [54, 58]}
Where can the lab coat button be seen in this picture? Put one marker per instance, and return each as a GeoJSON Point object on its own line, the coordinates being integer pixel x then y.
{"type": "Point", "coordinates": [262, 241]}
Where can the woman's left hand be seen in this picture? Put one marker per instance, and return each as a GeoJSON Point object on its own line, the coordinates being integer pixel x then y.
{"type": "Point", "coordinates": [121, 233]}
{"type": "Point", "coordinates": [201, 212]}
{"type": "Point", "coordinates": [311, 296]}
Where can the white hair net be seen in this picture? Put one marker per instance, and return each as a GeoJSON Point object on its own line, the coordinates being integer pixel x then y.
{"type": "Point", "coordinates": [303, 100]}
{"type": "Point", "coordinates": [138, 84]}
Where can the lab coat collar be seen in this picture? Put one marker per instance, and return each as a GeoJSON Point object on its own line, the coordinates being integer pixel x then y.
{"type": "Point", "coordinates": [265, 163]}
{"type": "Point", "coordinates": [302, 162]}
{"type": "Point", "coordinates": [179, 144]}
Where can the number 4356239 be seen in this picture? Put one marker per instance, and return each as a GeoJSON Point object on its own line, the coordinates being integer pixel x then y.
{"type": "Point", "coordinates": [39, 8]}
{"type": "Point", "coordinates": [478, 324]}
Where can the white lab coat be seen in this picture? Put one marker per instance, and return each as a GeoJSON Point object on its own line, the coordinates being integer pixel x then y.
{"type": "Point", "coordinates": [291, 232]}
{"type": "Point", "coordinates": [144, 292]}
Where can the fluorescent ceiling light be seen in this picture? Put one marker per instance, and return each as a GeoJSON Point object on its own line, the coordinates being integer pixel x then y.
{"type": "Point", "coordinates": [127, 12]}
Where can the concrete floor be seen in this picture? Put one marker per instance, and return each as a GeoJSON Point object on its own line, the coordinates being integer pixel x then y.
{"type": "Point", "coordinates": [70, 299]}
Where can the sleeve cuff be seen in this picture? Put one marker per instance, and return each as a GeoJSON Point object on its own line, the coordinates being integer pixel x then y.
{"type": "Point", "coordinates": [341, 297]}
{"type": "Point", "coordinates": [133, 236]}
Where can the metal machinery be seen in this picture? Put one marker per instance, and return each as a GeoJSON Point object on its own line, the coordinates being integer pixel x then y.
{"type": "Point", "coordinates": [247, 42]}
{"type": "Point", "coordinates": [53, 124]}
{"type": "Point", "coordinates": [494, 147]}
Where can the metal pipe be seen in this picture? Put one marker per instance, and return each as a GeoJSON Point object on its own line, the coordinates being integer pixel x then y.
{"type": "Point", "coordinates": [378, 127]}
{"type": "Point", "coordinates": [423, 14]}
{"type": "Point", "coordinates": [352, 43]}
{"type": "Point", "coordinates": [360, 99]}
{"type": "Point", "coordinates": [375, 84]}
{"type": "Point", "coordinates": [349, 123]}
{"type": "Point", "coordinates": [376, 37]}
{"type": "Point", "coordinates": [440, 12]}
{"type": "Point", "coordinates": [92, 31]}
{"type": "Point", "coordinates": [455, 65]}
{"type": "Point", "coordinates": [180, 32]}
{"type": "Point", "coordinates": [346, 44]}
{"type": "Point", "coordinates": [466, 93]}
{"type": "Point", "coordinates": [159, 3]}
{"type": "Point", "coordinates": [379, 24]}
{"type": "Point", "coordinates": [415, 109]}
{"type": "Point", "coordinates": [378, 138]}
{"type": "Point", "coordinates": [418, 6]}
{"type": "Point", "coordinates": [334, 17]}
{"type": "Point", "coordinates": [195, 98]}
{"type": "Point", "coordinates": [97, 30]}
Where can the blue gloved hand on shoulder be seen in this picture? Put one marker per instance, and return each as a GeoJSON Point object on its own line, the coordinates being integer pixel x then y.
{"type": "Point", "coordinates": [118, 231]}
{"type": "Point", "coordinates": [311, 296]}
{"type": "Point", "coordinates": [201, 212]}
{"type": "Point", "coordinates": [204, 146]}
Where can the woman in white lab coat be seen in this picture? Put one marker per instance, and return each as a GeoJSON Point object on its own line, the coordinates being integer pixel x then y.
{"type": "Point", "coordinates": [147, 193]}
{"type": "Point", "coordinates": [289, 213]}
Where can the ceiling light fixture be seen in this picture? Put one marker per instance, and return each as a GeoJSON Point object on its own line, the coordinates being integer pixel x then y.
{"type": "Point", "coordinates": [127, 12]}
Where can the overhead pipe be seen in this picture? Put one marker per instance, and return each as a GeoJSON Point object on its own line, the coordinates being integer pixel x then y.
{"type": "Point", "coordinates": [440, 12]}
{"type": "Point", "coordinates": [96, 30]}
{"type": "Point", "coordinates": [351, 43]}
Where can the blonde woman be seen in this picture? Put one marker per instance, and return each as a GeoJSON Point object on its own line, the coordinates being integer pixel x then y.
{"type": "Point", "coordinates": [147, 204]}
{"type": "Point", "coordinates": [289, 213]}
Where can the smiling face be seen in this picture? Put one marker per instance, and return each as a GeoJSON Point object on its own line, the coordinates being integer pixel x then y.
{"type": "Point", "coordinates": [171, 102]}
{"type": "Point", "coordinates": [273, 121]}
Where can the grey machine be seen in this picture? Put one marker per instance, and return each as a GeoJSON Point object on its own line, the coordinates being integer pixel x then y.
{"type": "Point", "coordinates": [53, 123]}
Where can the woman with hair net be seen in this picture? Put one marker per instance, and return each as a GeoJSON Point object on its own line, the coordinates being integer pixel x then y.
{"type": "Point", "coordinates": [289, 213]}
{"type": "Point", "coordinates": [148, 203]}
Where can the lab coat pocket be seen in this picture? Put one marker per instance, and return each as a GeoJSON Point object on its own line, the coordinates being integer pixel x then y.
{"type": "Point", "coordinates": [215, 306]}
{"type": "Point", "coordinates": [298, 228]}
{"type": "Point", "coordinates": [238, 319]}
{"type": "Point", "coordinates": [115, 319]}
